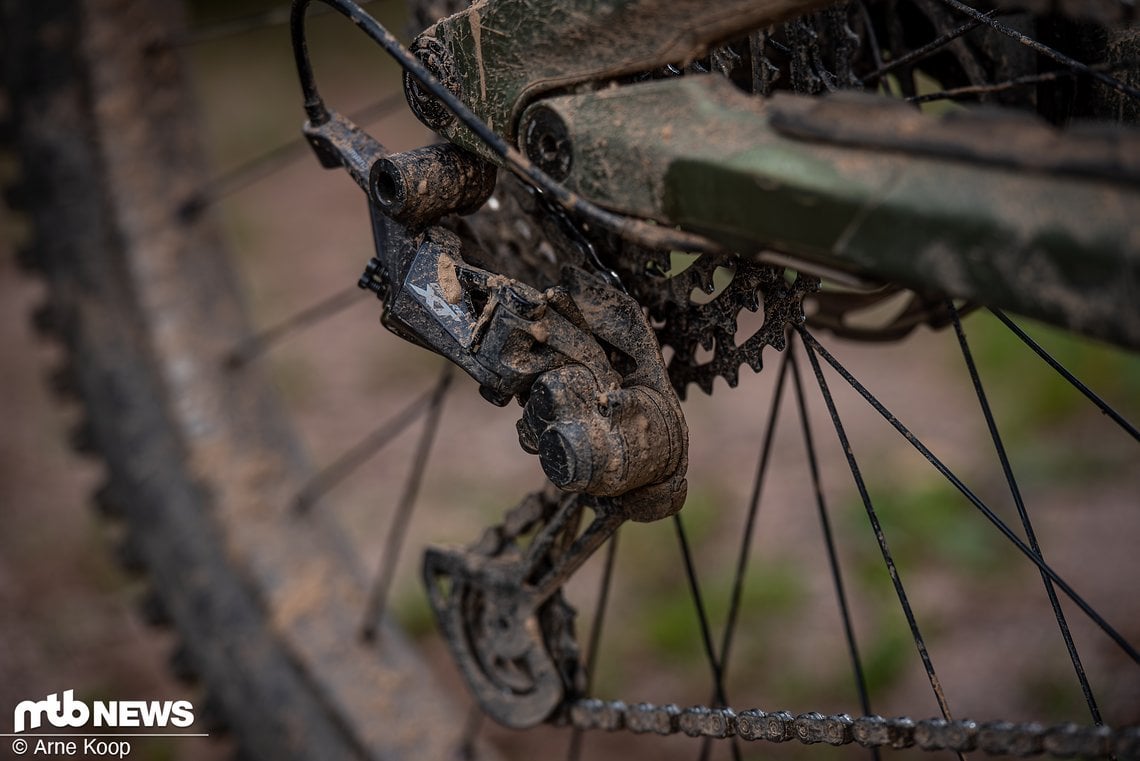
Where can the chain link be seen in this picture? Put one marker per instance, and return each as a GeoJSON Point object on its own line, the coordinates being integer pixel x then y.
{"type": "Point", "coordinates": [994, 738]}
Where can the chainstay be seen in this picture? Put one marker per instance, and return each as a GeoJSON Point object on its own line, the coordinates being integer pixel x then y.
{"type": "Point", "coordinates": [963, 735]}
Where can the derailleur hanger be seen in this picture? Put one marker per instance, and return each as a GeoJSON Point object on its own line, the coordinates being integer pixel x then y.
{"type": "Point", "coordinates": [415, 188]}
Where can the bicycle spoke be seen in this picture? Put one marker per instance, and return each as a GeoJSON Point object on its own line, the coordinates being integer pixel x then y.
{"type": "Point", "coordinates": [919, 53]}
{"type": "Point", "coordinates": [1009, 84]}
{"type": "Point", "coordinates": [600, 610]}
{"type": "Point", "coordinates": [720, 697]}
{"type": "Point", "coordinates": [274, 160]}
{"type": "Point", "coordinates": [1001, 526]}
{"type": "Point", "coordinates": [1023, 514]}
{"type": "Point", "coordinates": [753, 510]}
{"type": "Point", "coordinates": [575, 750]}
{"type": "Point", "coordinates": [378, 596]}
{"type": "Point", "coordinates": [742, 559]}
{"type": "Point", "coordinates": [746, 542]}
{"type": "Point", "coordinates": [1043, 49]}
{"type": "Point", "coordinates": [361, 452]}
{"type": "Point", "coordinates": [702, 617]}
{"type": "Point", "coordinates": [829, 543]}
{"type": "Point", "coordinates": [880, 537]}
{"type": "Point", "coordinates": [872, 38]}
{"type": "Point", "coordinates": [1075, 382]}
{"type": "Point", "coordinates": [263, 341]}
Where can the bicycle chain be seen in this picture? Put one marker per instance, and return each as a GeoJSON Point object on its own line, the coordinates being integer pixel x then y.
{"type": "Point", "coordinates": [961, 735]}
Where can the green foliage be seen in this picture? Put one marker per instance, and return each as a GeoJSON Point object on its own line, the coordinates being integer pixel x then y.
{"type": "Point", "coordinates": [1051, 694]}
{"type": "Point", "coordinates": [1029, 394]}
{"type": "Point", "coordinates": [890, 652]}
{"type": "Point", "coordinates": [926, 524]}
{"type": "Point", "coordinates": [924, 85]}
{"type": "Point", "coordinates": [701, 516]}
{"type": "Point", "coordinates": [413, 612]}
{"type": "Point", "coordinates": [671, 627]}
{"type": "Point", "coordinates": [772, 591]}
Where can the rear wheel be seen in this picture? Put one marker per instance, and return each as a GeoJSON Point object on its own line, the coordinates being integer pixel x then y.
{"type": "Point", "coordinates": [200, 459]}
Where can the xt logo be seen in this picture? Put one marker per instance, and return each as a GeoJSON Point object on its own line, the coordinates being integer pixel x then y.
{"type": "Point", "coordinates": [433, 299]}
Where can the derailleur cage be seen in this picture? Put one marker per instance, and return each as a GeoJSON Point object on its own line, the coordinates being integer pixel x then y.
{"type": "Point", "coordinates": [500, 606]}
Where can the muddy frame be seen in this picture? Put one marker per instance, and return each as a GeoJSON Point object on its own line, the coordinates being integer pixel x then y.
{"type": "Point", "coordinates": [988, 208]}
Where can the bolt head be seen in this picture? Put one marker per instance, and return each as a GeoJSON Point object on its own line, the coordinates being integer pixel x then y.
{"type": "Point", "coordinates": [566, 457]}
{"type": "Point", "coordinates": [438, 61]}
{"type": "Point", "coordinates": [546, 141]}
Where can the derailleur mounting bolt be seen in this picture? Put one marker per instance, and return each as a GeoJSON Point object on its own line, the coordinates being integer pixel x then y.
{"type": "Point", "coordinates": [437, 59]}
{"type": "Point", "coordinates": [546, 141]}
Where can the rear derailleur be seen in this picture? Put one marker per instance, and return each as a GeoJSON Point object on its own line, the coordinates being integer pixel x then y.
{"type": "Point", "coordinates": [579, 356]}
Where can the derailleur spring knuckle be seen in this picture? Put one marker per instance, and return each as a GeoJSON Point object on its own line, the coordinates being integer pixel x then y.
{"type": "Point", "coordinates": [438, 60]}
{"type": "Point", "coordinates": [568, 457]}
{"type": "Point", "coordinates": [420, 186]}
{"type": "Point", "coordinates": [582, 448]}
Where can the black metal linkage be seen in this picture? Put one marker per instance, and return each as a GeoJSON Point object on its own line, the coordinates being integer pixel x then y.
{"type": "Point", "coordinates": [634, 230]}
